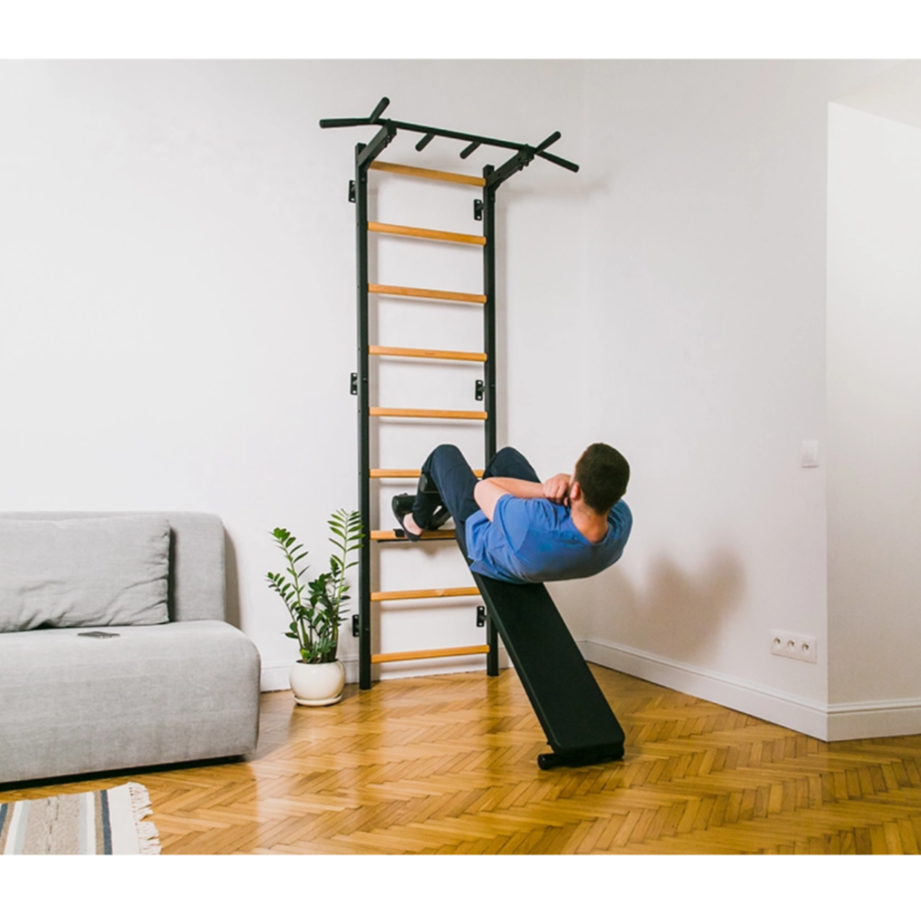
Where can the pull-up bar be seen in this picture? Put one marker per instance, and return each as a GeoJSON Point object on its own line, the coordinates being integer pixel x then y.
{"type": "Point", "coordinates": [525, 152]}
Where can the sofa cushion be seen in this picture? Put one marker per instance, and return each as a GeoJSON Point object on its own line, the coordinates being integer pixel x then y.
{"type": "Point", "coordinates": [87, 572]}
{"type": "Point", "coordinates": [150, 695]}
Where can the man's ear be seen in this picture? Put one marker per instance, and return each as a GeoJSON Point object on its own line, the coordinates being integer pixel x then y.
{"type": "Point", "coordinates": [575, 491]}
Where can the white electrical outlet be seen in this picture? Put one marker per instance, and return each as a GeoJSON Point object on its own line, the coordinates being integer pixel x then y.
{"type": "Point", "coordinates": [793, 646]}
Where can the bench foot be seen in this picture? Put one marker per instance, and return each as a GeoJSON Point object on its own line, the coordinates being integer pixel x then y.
{"type": "Point", "coordinates": [552, 760]}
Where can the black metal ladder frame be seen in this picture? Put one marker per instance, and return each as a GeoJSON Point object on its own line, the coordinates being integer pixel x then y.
{"type": "Point", "coordinates": [493, 178]}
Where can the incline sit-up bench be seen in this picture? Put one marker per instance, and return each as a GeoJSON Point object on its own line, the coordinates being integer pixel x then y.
{"type": "Point", "coordinates": [580, 725]}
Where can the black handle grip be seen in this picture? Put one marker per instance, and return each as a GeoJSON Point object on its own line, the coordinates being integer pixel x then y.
{"type": "Point", "coordinates": [343, 122]}
{"type": "Point", "coordinates": [550, 140]}
{"type": "Point", "coordinates": [559, 161]}
{"type": "Point", "coordinates": [378, 109]}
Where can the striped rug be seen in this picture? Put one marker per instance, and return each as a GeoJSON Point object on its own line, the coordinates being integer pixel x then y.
{"type": "Point", "coordinates": [104, 822]}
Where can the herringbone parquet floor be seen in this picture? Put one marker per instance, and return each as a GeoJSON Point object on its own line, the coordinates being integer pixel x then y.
{"type": "Point", "coordinates": [447, 765]}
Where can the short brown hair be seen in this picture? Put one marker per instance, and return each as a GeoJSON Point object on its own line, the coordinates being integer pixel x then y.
{"type": "Point", "coordinates": [602, 472]}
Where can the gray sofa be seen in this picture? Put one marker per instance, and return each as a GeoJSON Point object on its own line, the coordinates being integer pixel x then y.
{"type": "Point", "coordinates": [176, 683]}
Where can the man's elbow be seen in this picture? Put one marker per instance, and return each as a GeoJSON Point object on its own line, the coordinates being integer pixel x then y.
{"type": "Point", "coordinates": [486, 495]}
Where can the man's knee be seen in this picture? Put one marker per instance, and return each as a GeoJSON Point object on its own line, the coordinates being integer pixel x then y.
{"type": "Point", "coordinates": [509, 455]}
{"type": "Point", "coordinates": [438, 464]}
{"type": "Point", "coordinates": [448, 453]}
{"type": "Point", "coordinates": [511, 462]}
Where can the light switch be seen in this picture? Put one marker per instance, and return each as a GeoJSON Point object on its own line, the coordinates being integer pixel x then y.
{"type": "Point", "coordinates": [809, 454]}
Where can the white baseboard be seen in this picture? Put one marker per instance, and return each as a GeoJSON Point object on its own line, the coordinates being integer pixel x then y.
{"type": "Point", "coordinates": [874, 719]}
{"type": "Point", "coordinates": [828, 722]}
{"type": "Point", "coordinates": [275, 677]}
{"type": "Point", "coordinates": [806, 716]}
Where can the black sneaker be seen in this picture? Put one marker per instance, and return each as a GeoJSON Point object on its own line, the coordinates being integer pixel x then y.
{"type": "Point", "coordinates": [402, 505]}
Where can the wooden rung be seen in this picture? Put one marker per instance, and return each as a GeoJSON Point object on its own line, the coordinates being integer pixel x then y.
{"type": "Point", "coordinates": [428, 293]}
{"type": "Point", "coordinates": [427, 353]}
{"type": "Point", "coordinates": [426, 535]}
{"type": "Point", "coordinates": [446, 236]}
{"type": "Point", "coordinates": [425, 593]}
{"type": "Point", "coordinates": [428, 413]}
{"type": "Point", "coordinates": [437, 175]}
{"type": "Point", "coordinates": [429, 654]}
{"type": "Point", "coordinates": [394, 474]}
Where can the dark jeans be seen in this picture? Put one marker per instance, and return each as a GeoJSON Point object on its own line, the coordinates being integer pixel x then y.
{"type": "Point", "coordinates": [455, 481]}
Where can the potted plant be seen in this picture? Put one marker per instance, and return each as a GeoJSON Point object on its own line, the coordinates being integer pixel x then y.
{"type": "Point", "coordinates": [316, 609]}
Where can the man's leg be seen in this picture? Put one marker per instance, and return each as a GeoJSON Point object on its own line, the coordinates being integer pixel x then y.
{"type": "Point", "coordinates": [512, 463]}
{"type": "Point", "coordinates": [449, 472]}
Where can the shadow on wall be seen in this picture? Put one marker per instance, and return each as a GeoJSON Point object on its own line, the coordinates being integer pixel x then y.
{"type": "Point", "coordinates": [675, 616]}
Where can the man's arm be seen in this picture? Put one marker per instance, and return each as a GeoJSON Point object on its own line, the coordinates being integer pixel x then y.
{"type": "Point", "coordinates": [488, 492]}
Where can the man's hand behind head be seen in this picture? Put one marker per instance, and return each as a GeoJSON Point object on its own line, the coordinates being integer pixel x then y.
{"type": "Point", "coordinates": [556, 489]}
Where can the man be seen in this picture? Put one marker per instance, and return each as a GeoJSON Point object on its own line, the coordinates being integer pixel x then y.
{"type": "Point", "coordinates": [514, 528]}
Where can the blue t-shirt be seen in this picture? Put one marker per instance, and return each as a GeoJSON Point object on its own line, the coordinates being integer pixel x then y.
{"type": "Point", "coordinates": [535, 540]}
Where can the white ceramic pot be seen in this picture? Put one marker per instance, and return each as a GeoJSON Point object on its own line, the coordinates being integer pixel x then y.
{"type": "Point", "coordinates": [317, 685]}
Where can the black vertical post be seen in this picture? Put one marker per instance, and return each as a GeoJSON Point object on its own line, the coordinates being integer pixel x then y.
{"type": "Point", "coordinates": [364, 450]}
{"type": "Point", "coordinates": [489, 339]}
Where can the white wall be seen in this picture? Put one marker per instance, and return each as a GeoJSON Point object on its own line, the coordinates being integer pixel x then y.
{"type": "Point", "coordinates": [705, 253]}
{"type": "Point", "coordinates": [178, 306]}
{"type": "Point", "coordinates": [874, 383]}
{"type": "Point", "coordinates": [177, 292]}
